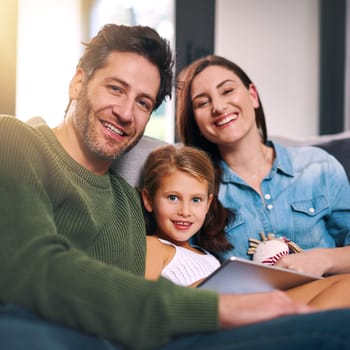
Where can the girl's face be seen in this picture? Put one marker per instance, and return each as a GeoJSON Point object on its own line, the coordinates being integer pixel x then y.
{"type": "Point", "coordinates": [179, 205]}
{"type": "Point", "coordinates": [223, 107]}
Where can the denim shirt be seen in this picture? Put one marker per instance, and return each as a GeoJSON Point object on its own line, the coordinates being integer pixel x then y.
{"type": "Point", "coordinates": [305, 198]}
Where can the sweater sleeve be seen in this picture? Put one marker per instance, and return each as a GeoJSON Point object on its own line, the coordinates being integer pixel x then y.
{"type": "Point", "coordinates": [42, 270]}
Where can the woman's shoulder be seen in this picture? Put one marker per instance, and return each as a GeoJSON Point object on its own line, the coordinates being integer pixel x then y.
{"type": "Point", "coordinates": [304, 157]}
{"type": "Point", "coordinates": [305, 154]}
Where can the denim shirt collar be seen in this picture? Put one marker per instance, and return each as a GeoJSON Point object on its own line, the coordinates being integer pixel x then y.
{"type": "Point", "coordinates": [281, 164]}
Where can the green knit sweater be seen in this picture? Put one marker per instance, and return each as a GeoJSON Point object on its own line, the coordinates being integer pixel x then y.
{"type": "Point", "coordinates": [72, 247]}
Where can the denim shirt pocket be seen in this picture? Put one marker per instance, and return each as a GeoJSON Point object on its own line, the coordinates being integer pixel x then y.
{"type": "Point", "coordinates": [235, 222]}
{"type": "Point", "coordinates": [310, 207]}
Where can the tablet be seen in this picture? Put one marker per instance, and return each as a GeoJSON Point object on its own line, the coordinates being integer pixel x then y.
{"type": "Point", "coordinates": [238, 275]}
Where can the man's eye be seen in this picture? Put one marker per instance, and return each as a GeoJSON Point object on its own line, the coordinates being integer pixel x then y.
{"type": "Point", "coordinates": [114, 88]}
{"type": "Point", "coordinates": [145, 104]}
{"type": "Point", "coordinates": [172, 197]}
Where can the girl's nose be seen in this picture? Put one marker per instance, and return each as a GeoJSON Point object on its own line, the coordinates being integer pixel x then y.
{"type": "Point", "coordinates": [184, 210]}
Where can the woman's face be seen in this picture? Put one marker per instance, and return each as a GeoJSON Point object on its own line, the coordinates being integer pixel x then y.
{"type": "Point", "coordinates": [223, 107]}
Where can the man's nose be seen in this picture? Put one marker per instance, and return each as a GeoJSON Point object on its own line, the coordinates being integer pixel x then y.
{"type": "Point", "coordinates": [124, 110]}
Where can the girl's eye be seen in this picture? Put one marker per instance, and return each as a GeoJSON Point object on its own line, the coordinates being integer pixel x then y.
{"type": "Point", "coordinates": [172, 197]}
{"type": "Point", "coordinates": [197, 200]}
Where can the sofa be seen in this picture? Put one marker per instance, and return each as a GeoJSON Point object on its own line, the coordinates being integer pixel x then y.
{"type": "Point", "coordinates": [129, 165]}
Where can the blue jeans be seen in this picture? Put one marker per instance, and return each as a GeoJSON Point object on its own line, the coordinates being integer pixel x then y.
{"type": "Point", "coordinates": [21, 329]}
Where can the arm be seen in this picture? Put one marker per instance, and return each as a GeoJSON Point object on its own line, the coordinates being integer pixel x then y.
{"type": "Point", "coordinates": [322, 261]}
{"type": "Point", "coordinates": [81, 262]}
{"type": "Point", "coordinates": [240, 310]}
{"type": "Point", "coordinates": [158, 255]}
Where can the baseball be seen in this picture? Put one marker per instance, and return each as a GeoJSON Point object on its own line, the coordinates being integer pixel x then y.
{"type": "Point", "coordinates": [268, 252]}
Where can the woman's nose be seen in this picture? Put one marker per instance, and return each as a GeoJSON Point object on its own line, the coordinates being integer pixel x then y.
{"type": "Point", "coordinates": [219, 106]}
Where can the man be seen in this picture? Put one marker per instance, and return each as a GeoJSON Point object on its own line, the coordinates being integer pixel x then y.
{"type": "Point", "coordinates": [72, 242]}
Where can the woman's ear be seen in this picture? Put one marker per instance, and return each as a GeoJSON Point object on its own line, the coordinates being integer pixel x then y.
{"type": "Point", "coordinates": [147, 201]}
{"type": "Point", "coordinates": [76, 84]}
{"type": "Point", "coordinates": [254, 96]}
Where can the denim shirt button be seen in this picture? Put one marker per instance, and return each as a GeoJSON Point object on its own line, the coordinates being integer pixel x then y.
{"type": "Point", "coordinates": [311, 210]}
{"type": "Point", "coordinates": [270, 206]}
{"type": "Point", "coordinates": [267, 196]}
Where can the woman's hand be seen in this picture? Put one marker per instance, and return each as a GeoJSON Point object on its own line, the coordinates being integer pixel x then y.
{"type": "Point", "coordinates": [319, 262]}
{"type": "Point", "coordinates": [243, 309]}
{"type": "Point", "coordinates": [316, 262]}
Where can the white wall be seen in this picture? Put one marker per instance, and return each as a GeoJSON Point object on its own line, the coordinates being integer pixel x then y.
{"type": "Point", "coordinates": [49, 33]}
{"type": "Point", "coordinates": [276, 43]}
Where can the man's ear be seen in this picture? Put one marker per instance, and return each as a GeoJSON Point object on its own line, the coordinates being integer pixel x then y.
{"type": "Point", "coordinates": [253, 92]}
{"type": "Point", "coordinates": [147, 201]}
{"type": "Point", "coordinates": [76, 84]}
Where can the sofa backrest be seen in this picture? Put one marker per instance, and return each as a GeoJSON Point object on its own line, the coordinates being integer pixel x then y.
{"type": "Point", "coordinates": [129, 165]}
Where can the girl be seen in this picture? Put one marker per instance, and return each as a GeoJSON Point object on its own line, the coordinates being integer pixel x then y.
{"type": "Point", "coordinates": [179, 196]}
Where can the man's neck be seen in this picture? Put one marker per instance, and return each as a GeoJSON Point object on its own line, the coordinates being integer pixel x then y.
{"type": "Point", "coordinates": [67, 137]}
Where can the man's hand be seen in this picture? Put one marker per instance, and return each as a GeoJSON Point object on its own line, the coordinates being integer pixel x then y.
{"type": "Point", "coordinates": [243, 309]}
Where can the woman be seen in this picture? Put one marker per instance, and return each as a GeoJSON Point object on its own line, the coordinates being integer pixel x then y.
{"type": "Point", "coordinates": [299, 193]}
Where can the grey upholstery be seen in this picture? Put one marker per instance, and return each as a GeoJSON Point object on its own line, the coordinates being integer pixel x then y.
{"type": "Point", "coordinates": [129, 165]}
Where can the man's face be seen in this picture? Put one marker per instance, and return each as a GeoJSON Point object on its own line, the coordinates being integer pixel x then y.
{"type": "Point", "coordinates": [113, 108]}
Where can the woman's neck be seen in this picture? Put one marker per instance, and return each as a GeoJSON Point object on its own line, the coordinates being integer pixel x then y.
{"type": "Point", "coordinates": [250, 159]}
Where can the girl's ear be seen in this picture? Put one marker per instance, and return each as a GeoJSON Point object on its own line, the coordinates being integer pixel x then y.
{"type": "Point", "coordinates": [210, 199]}
{"type": "Point", "coordinates": [253, 92]}
{"type": "Point", "coordinates": [147, 201]}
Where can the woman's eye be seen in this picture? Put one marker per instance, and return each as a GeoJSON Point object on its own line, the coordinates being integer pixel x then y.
{"type": "Point", "coordinates": [201, 103]}
{"type": "Point", "coordinates": [227, 91]}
